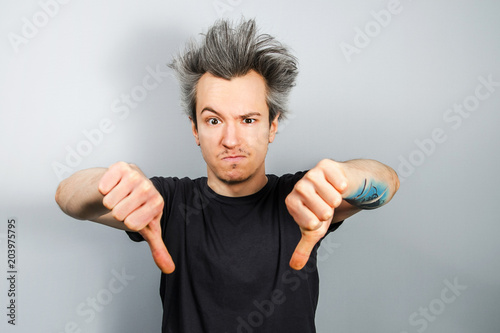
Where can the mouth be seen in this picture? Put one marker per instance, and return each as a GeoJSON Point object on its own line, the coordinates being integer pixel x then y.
{"type": "Point", "coordinates": [233, 159]}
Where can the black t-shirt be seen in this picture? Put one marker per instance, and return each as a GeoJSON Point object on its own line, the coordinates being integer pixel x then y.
{"type": "Point", "coordinates": [232, 260]}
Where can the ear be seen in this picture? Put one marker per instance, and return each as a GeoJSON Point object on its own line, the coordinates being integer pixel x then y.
{"type": "Point", "coordinates": [195, 131]}
{"type": "Point", "coordinates": [274, 128]}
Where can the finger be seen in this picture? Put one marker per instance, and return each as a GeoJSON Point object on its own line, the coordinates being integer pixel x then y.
{"type": "Point", "coordinates": [306, 244]}
{"type": "Point", "coordinates": [304, 217]}
{"type": "Point", "coordinates": [319, 209]}
{"type": "Point", "coordinates": [125, 207]}
{"type": "Point", "coordinates": [327, 192]}
{"type": "Point", "coordinates": [141, 216]}
{"type": "Point", "coordinates": [125, 198]}
{"type": "Point", "coordinates": [303, 251]}
{"type": "Point", "coordinates": [117, 194]}
{"type": "Point", "coordinates": [111, 178]}
{"type": "Point", "coordinates": [305, 204]}
{"type": "Point", "coordinates": [307, 207]}
{"type": "Point", "coordinates": [158, 249]}
{"type": "Point", "coordinates": [335, 175]}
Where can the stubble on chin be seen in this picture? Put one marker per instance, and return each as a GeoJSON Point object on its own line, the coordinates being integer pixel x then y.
{"type": "Point", "coordinates": [232, 180]}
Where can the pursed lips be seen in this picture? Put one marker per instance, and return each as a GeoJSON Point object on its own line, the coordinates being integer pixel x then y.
{"type": "Point", "coordinates": [233, 158]}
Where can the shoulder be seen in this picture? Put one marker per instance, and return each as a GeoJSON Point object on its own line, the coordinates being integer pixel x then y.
{"type": "Point", "coordinates": [167, 184]}
{"type": "Point", "coordinates": [290, 178]}
{"type": "Point", "coordinates": [285, 183]}
{"type": "Point", "coordinates": [174, 189]}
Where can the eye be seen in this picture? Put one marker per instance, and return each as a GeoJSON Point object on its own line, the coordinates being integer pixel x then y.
{"type": "Point", "coordinates": [213, 121]}
{"type": "Point", "coordinates": [249, 120]}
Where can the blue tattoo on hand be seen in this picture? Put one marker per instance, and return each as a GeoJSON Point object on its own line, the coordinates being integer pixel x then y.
{"type": "Point", "coordinates": [370, 196]}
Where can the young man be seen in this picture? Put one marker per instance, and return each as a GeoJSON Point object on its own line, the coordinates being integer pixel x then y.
{"type": "Point", "coordinates": [237, 248]}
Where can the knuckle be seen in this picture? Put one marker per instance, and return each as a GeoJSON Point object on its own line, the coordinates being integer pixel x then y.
{"type": "Point", "coordinates": [154, 225]}
{"type": "Point", "coordinates": [143, 188]}
{"type": "Point", "coordinates": [326, 214]}
{"type": "Point", "coordinates": [291, 202]}
{"type": "Point", "coordinates": [307, 176]}
{"type": "Point", "coordinates": [313, 173]}
{"type": "Point", "coordinates": [106, 202]}
{"type": "Point", "coordinates": [119, 165]}
{"type": "Point", "coordinates": [148, 186]}
{"type": "Point", "coordinates": [159, 202]}
{"type": "Point", "coordinates": [117, 214]}
{"type": "Point", "coordinates": [156, 204]}
{"type": "Point", "coordinates": [336, 200]}
{"type": "Point", "coordinates": [324, 163]}
{"type": "Point", "coordinates": [133, 176]}
{"type": "Point", "coordinates": [311, 225]}
{"type": "Point", "coordinates": [301, 187]}
{"type": "Point", "coordinates": [132, 224]}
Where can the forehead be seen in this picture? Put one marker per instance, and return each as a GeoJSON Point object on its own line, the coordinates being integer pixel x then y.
{"type": "Point", "coordinates": [237, 96]}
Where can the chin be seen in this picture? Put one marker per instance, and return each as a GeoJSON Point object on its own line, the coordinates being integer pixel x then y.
{"type": "Point", "coordinates": [234, 177]}
{"type": "Point", "coordinates": [234, 180]}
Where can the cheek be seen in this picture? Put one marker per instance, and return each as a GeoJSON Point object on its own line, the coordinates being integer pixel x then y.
{"type": "Point", "coordinates": [206, 145]}
{"type": "Point", "coordinates": [261, 141]}
{"type": "Point", "coordinates": [265, 135]}
{"type": "Point", "coordinates": [208, 139]}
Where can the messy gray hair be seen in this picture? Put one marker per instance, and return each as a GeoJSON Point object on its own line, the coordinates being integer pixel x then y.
{"type": "Point", "coordinates": [228, 51]}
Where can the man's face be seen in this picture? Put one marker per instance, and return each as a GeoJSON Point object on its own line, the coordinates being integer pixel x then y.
{"type": "Point", "coordinates": [233, 127]}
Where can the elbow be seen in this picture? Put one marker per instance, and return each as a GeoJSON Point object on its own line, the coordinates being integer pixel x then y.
{"type": "Point", "coordinates": [395, 181]}
{"type": "Point", "coordinates": [58, 196]}
{"type": "Point", "coordinates": [393, 185]}
{"type": "Point", "coordinates": [61, 198]}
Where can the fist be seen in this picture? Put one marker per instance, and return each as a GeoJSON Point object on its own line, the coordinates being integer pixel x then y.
{"type": "Point", "coordinates": [132, 198]}
{"type": "Point", "coordinates": [312, 204]}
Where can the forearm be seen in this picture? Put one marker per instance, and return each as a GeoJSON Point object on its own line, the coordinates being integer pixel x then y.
{"type": "Point", "coordinates": [371, 184]}
{"type": "Point", "coordinates": [79, 196]}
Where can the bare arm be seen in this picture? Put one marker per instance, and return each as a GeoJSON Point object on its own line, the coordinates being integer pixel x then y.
{"type": "Point", "coordinates": [370, 184]}
{"type": "Point", "coordinates": [78, 196]}
{"type": "Point", "coordinates": [331, 192]}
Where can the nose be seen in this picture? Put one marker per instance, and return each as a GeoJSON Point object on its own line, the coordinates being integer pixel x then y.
{"type": "Point", "coordinates": [230, 136]}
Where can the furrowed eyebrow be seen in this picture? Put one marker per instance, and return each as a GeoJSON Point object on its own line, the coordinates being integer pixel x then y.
{"type": "Point", "coordinates": [250, 115]}
{"type": "Point", "coordinates": [243, 116]}
{"type": "Point", "coordinates": [208, 108]}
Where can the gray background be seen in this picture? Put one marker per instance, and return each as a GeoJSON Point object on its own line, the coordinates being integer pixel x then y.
{"type": "Point", "coordinates": [380, 269]}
